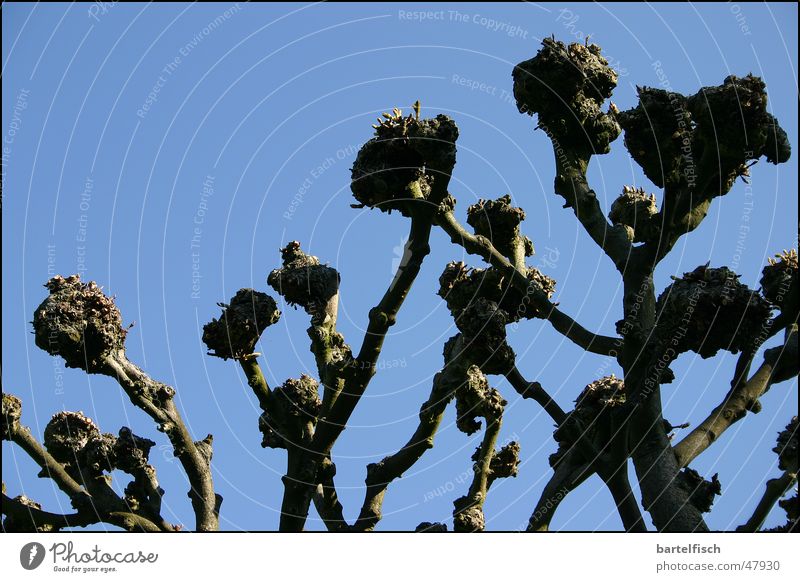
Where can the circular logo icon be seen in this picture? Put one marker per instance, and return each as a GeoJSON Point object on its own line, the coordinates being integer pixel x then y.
{"type": "Point", "coordinates": [31, 555]}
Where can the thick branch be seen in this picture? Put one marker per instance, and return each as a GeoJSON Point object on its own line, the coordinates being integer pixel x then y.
{"type": "Point", "coordinates": [679, 215]}
{"type": "Point", "coordinates": [51, 468]}
{"type": "Point", "coordinates": [40, 520]}
{"type": "Point", "coordinates": [565, 325]}
{"type": "Point", "coordinates": [146, 481]}
{"type": "Point", "coordinates": [728, 412]}
{"type": "Point", "coordinates": [640, 420]}
{"type": "Point", "coordinates": [131, 522]}
{"type": "Point", "coordinates": [299, 491]}
{"type": "Point", "coordinates": [743, 397]}
{"type": "Point", "coordinates": [380, 475]}
{"type": "Point", "coordinates": [776, 488]}
{"type": "Point", "coordinates": [657, 470]}
{"type": "Point", "coordinates": [684, 208]}
{"type": "Point", "coordinates": [570, 472]}
{"type": "Point", "coordinates": [568, 475]}
{"type": "Point", "coordinates": [621, 491]}
{"type": "Point", "coordinates": [326, 500]}
{"type": "Point", "coordinates": [296, 481]}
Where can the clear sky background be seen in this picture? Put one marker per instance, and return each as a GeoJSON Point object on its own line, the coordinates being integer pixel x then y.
{"type": "Point", "coordinates": [269, 106]}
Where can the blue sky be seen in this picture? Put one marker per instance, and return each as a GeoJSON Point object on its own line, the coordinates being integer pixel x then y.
{"type": "Point", "coordinates": [129, 126]}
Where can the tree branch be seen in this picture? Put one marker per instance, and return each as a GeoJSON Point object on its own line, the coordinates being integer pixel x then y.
{"type": "Point", "coordinates": [565, 325]}
{"type": "Point", "coordinates": [616, 479]}
{"type": "Point", "coordinates": [381, 318]}
{"type": "Point", "coordinates": [380, 475]}
{"type": "Point", "coordinates": [571, 184]}
{"type": "Point", "coordinates": [39, 520]}
{"type": "Point", "coordinates": [775, 489]}
{"type": "Point", "coordinates": [567, 476]}
{"type": "Point", "coordinates": [658, 472]}
{"type": "Point", "coordinates": [156, 400]}
{"type": "Point", "coordinates": [535, 391]}
{"type": "Point", "coordinates": [326, 500]}
{"type": "Point", "coordinates": [682, 211]}
{"type": "Point", "coordinates": [45, 521]}
{"type": "Point", "coordinates": [620, 487]}
{"type": "Point", "coordinates": [21, 435]}
{"type": "Point", "coordinates": [132, 522]}
{"type": "Point", "coordinates": [361, 370]}
{"type": "Point", "coordinates": [742, 397]}
{"type": "Point", "coordinates": [256, 380]}
{"type": "Point", "coordinates": [468, 512]}
{"type": "Point", "coordinates": [145, 480]}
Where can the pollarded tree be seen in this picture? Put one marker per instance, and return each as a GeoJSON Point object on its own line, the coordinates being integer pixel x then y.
{"type": "Point", "coordinates": [691, 147]}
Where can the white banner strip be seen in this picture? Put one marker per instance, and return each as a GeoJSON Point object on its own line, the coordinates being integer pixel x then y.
{"type": "Point", "coordinates": [388, 557]}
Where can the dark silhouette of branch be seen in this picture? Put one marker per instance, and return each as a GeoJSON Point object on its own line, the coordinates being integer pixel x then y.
{"type": "Point", "coordinates": [381, 474]}
{"type": "Point", "coordinates": [50, 467]}
{"type": "Point", "coordinates": [571, 184]}
{"type": "Point", "coordinates": [649, 445]}
{"type": "Point", "coordinates": [775, 489]}
{"type": "Point", "coordinates": [695, 148]}
{"type": "Point", "coordinates": [787, 450]}
{"type": "Point", "coordinates": [299, 490]}
{"type": "Point", "coordinates": [156, 400]}
{"type": "Point", "coordinates": [568, 474]}
{"type": "Point", "coordinates": [23, 517]}
{"type": "Point", "coordinates": [78, 322]}
{"type": "Point", "coordinates": [481, 246]}
{"type": "Point", "coordinates": [79, 459]}
{"type": "Point", "coordinates": [535, 391]}
{"type": "Point", "coordinates": [779, 364]}
{"type": "Point", "coordinates": [24, 514]}
{"type": "Point", "coordinates": [658, 473]}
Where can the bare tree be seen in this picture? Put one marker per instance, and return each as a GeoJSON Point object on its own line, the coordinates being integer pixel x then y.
{"type": "Point", "coordinates": [693, 148]}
